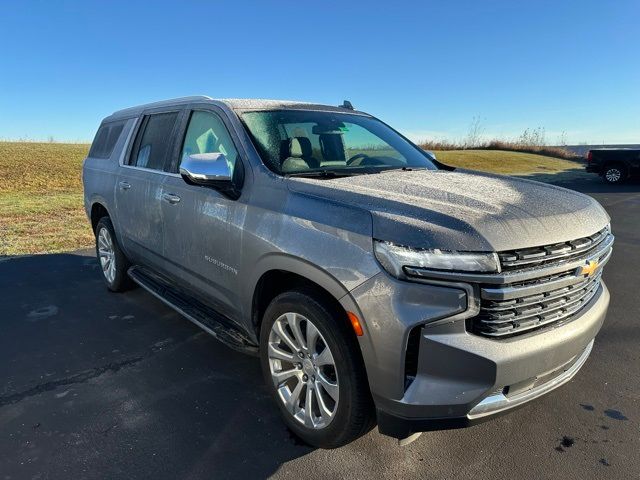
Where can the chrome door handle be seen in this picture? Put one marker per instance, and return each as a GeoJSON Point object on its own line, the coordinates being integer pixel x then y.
{"type": "Point", "coordinates": [124, 185]}
{"type": "Point", "coordinates": [171, 198]}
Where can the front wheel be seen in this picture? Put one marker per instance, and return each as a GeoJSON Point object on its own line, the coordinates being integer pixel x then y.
{"type": "Point", "coordinates": [314, 371]}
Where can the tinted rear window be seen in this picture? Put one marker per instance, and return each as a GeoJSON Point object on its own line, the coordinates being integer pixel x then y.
{"type": "Point", "coordinates": [153, 142]}
{"type": "Point", "coordinates": [106, 139]}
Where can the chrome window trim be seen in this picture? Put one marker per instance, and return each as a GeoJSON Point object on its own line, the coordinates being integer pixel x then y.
{"type": "Point", "coordinates": [152, 170]}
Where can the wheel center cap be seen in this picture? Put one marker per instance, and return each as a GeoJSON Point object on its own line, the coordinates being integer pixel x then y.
{"type": "Point", "coordinates": [307, 366]}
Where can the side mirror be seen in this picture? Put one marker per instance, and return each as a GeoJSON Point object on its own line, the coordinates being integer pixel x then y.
{"type": "Point", "coordinates": [206, 169]}
{"type": "Point", "coordinates": [431, 154]}
{"type": "Point", "coordinates": [210, 170]}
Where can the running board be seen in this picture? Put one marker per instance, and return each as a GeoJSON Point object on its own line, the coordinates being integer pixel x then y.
{"type": "Point", "coordinates": [202, 315]}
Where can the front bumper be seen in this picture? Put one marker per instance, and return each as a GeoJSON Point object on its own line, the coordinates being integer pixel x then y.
{"type": "Point", "coordinates": [501, 401]}
{"type": "Point", "coordinates": [494, 405]}
{"type": "Point", "coordinates": [462, 378]}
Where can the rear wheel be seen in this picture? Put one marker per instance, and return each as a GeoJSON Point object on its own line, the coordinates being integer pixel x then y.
{"type": "Point", "coordinates": [111, 259]}
{"type": "Point", "coordinates": [313, 369]}
{"type": "Point", "coordinates": [614, 173]}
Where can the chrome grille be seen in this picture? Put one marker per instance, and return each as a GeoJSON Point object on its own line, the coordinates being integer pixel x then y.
{"type": "Point", "coordinates": [527, 257]}
{"type": "Point", "coordinates": [541, 299]}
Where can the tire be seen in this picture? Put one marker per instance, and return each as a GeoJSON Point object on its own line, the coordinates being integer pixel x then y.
{"type": "Point", "coordinates": [350, 401]}
{"type": "Point", "coordinates": [615, 173]}
{"type": "Point", "coordinates": [112, 261]}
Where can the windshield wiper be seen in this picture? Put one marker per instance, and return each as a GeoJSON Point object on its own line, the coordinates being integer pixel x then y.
{"type": "Point", "coordinates": [330, 173]}
{"type": "Point", "coordinates": [402, 169]}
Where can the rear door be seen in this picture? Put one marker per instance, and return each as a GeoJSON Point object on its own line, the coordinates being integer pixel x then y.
{"type": "Point", "coordinates": [203, 228]}
{"type": "Point", "coordinates": [139, 187]}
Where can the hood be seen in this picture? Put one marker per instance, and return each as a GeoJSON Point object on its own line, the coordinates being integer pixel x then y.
{"type": "Point", "coordinates": [462, 209]}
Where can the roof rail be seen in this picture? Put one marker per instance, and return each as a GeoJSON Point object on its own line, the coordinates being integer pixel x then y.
{"type": "Point", "coordinates": [172, 101]}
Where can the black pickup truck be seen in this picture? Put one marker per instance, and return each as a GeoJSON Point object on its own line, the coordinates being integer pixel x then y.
{"type": "Point", "coordinates": [615, 165]}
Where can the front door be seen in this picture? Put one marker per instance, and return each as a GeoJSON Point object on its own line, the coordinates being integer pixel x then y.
{"type": "Point", "coordinates": [139, 189]}
{"type": "Point", "coordinates": [203, 228]}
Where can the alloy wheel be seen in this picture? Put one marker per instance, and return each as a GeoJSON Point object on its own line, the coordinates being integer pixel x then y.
{"type": "Point", "coordinates": [107, 255]}
{"type": "Point", "coordinates": [613, 175]}
{"type": "Point", "coordinates": [303, 370]}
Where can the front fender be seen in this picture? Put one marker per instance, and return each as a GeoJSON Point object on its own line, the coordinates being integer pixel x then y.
{"type": "Point", "coordinates": [292, 264]}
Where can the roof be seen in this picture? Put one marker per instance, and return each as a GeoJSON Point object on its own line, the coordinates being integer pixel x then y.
{"type": "Point", "coordinates": [266, 104]}
{"type": "Point", "coordinates": [237, 104]}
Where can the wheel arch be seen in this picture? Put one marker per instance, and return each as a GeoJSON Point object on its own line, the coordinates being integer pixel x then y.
{"type": "Point", "coordinates": [278, 273]}
{"type": "Point", "coordinates": [97, 211]}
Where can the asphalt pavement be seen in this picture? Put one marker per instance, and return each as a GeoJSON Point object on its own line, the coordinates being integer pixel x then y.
{"type": "Point", "coordinates": [101, 385]}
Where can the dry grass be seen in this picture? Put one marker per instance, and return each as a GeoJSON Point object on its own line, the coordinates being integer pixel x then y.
{"type": "Point", "coordinates": [41, 167]}
{"type": "Point", "coordinates": [41, 208]}
{"type": "Point", "coordinates": [506, 162]}
{"type": "Point", "coordinates": [503, 145]}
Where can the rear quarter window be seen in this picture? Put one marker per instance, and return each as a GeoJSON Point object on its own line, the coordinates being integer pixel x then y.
{"type": "Point", "coordinates": [106, 139]}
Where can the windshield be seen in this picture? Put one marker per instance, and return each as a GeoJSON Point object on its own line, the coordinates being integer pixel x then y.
{"type": "Point", "coordinates": [299, 142]}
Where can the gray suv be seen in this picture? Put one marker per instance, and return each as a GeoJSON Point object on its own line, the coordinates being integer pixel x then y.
{"type": "Point", "coordinates": [376, 284]}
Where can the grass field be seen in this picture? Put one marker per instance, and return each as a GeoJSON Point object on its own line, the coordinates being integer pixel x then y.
{"type": "Point", "coordinates": [41, 207]}
{"type": "Point", "coordinates": [508, 163]}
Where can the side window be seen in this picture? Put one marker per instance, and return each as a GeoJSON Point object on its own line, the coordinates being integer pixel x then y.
{"type": "Point", "coordinates": [207, 134]}
{"type": "Point", "coordinates": [106, 139]}
{"type": "Point", "coordinates": [153, 142]}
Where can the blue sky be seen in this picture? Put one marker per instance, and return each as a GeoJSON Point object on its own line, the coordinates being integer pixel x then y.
{"type": "Point", "coordinates": [428, 68]}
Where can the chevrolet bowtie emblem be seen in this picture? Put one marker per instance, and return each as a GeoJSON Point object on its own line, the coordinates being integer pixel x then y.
{"type": "Point", "coordinates": [590, 268]}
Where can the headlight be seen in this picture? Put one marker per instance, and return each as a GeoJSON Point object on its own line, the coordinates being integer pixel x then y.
{"type": "Point", "coordinates": [394, 257]}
